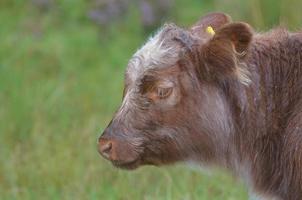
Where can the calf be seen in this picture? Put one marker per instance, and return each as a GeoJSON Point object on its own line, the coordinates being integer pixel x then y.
{"type": "Point", "coordinates": [217, 94]}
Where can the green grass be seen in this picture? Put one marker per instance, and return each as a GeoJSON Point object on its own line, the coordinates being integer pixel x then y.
{"type": "Point", "coordinates": [61, 80]}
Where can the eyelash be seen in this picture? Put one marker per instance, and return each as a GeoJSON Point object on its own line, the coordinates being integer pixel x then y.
{"type": "Point", "coordinates": [163, 92]}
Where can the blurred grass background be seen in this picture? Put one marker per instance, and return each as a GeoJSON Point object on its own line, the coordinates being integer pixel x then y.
{"type": "Point", "coordinates": [61, 79]}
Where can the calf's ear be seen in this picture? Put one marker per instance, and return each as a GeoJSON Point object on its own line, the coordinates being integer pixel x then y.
{"type": "Point", "coordinates": [223, 53]}
{"type": "Point", "coordinates": [215, 20]}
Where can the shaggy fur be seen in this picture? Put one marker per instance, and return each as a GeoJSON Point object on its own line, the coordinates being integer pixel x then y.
{"type": "Point", "coordinates": [232, 100]}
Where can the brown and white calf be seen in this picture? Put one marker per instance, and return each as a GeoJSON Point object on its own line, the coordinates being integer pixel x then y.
{"type": "Point", "coordinates": [231, 99]}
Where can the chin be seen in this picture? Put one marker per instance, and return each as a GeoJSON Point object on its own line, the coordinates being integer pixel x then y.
{"type": "Point", "coordinates": [127, 165]}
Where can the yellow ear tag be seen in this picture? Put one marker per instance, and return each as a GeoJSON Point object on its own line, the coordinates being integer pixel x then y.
{"type": "Point", "coordinates": [210, 30]}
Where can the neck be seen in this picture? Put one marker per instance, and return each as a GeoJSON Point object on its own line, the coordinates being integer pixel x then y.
{"type": "Point", "coordinates": [260, 111]}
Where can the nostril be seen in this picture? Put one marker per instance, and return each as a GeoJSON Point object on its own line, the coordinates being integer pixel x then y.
{"type": "Point", "coordinates": [105, 148]}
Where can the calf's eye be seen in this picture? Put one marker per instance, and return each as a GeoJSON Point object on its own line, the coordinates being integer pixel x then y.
{"type": "Point", "coordinates": [164, 92]}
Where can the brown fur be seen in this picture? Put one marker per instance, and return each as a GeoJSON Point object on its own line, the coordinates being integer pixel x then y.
{"type": "Point", "coordinates": [213, 115]}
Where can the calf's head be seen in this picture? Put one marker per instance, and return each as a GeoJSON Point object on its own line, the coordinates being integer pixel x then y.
{"type": "Point", "coordinates": [173, 108]}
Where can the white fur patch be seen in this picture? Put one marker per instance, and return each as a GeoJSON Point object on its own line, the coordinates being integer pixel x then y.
{"type": "Point", "coordinates": [157, 52]}
{"type": "Point", "coordinates": [261, 197]}
{"type": "Point", "coordinates": [243, 74]}
{"type": "Point", "coordinates": [125, 104]}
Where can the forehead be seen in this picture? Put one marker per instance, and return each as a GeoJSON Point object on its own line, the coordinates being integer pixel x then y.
{"type": "Point", "coordinates": [160, 51]}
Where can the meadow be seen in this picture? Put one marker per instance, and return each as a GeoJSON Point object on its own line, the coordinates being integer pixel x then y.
{"type": "Point", "coordinates": [61, 79]}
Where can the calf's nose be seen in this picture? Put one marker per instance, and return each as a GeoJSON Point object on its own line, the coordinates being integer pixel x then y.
{"type": "Point", "coordinates": [105, 147]}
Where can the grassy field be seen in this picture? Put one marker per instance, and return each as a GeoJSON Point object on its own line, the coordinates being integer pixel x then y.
{"type": "Point", "coordinates": [61, 79]}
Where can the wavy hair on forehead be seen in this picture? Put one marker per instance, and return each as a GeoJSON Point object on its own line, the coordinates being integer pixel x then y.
{"type": "Point", "coordinates": [161, 50]}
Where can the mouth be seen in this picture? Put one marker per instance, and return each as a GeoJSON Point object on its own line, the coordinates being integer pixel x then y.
{"type": "Point", "coordinates": [127, 165]}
